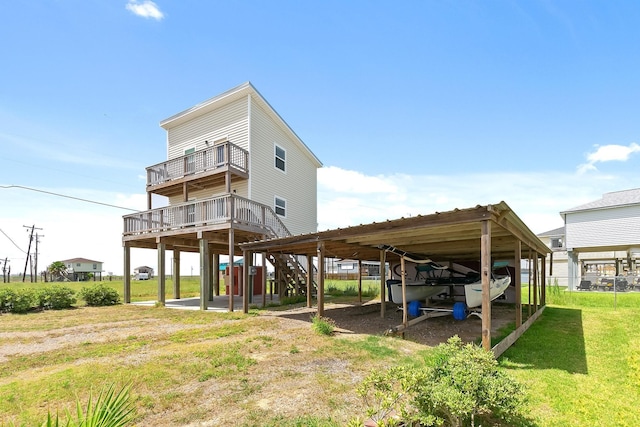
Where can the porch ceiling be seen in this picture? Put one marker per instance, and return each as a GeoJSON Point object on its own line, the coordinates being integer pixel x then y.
{"type": "Point", "coordinates": [442, 236]}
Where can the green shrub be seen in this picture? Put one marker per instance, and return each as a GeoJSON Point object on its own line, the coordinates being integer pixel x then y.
{"type": "Point", "coordinates": [56, 297]}
{"type": "Point", "coordinates": [99, 295]}
{"type": "Point", "coordinates": [24, 299]}
{"type": "Point", "coordinates": [323, 325]}
{"type": "Point", "coordinates": [459, 384]}
{"type": "Point", "coordinates": [6, 299]}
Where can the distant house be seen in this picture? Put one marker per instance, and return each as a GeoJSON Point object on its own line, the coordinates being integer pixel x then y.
{"type": "Point", "coordinates": [143, 272]}
{"type": "Point", "coordinates": [349, 267]}
{"type": "Point", "coordinates": [600, 240]}
{"type": "Point", "coordinates": [82, 269]}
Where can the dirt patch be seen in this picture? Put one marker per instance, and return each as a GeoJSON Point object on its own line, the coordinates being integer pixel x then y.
{"type": "Point", "coordinates": [366, 319]}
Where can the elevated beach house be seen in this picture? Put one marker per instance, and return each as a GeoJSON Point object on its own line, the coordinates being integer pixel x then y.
{"type": "Point", "coordinates": [235, 172]}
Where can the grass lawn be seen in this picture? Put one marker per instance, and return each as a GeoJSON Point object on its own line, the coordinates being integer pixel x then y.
{"type": "Point", "coordinates": [580, 362]}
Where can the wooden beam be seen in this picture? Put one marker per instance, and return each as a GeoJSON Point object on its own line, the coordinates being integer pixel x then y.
{"type": "Point", "coordinates": [321, 279]}
{"type": "Point", "coordinates": [510, 339]}
{"type": "Point", "coordinates": [212, 274]}
{"type": "Point", "coordinates": [383, 276]}
{"type": "Point", "coordinates": [176, 273]}
{"type": "Point", "coordinates": [485, 266]}
{"type": "Point", "coordinates": [518, 259]}
{"type": "Point", "coordinates": [360, 282]}
{"type": "Point", "coordinates": [309, 280]}
{"type": "Point", "coordinates": [216, 274]}
{"type": "Point", "coordinates": [127, 274]}
{"type": "Point", "coordinates": [403, 276]}
{"type": "Point", "coordinates": [231, 279]}
{"type": "Point", "coordinates": [247, 256]}
{"type": "Point", "coordinates": [161, 274]}
{"type": "Point", "coordinates": [205, 259]}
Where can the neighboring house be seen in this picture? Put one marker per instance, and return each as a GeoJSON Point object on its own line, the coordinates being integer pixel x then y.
{"type": "Point", "coordinates": [143, 272]}
{"type": "Point", "coordinates": [235, 172]}
{"type": "Point", "coordinates": [600, 240]}
{"type": "Point", "coordinates": [350, 267]}
{"type": "Point", "coordinates": [82, 269]}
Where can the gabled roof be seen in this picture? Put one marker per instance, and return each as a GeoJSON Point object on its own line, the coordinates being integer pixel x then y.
{"type": "Point", "coordinates": [229, 96]}
{"type": "Point", "coordinates": [555, 232]}
{"type": "Point", "coordinates": [81, 260]}
{"type": "Point", "coordinates": [610, 200]}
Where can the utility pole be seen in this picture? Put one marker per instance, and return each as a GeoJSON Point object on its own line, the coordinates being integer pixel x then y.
{"type": "Point", "coordinates": [24, 274]}
{"type": "Point", "coordinates": [36, 255]}
{"type": "Point", "coordinates": [4, 270]}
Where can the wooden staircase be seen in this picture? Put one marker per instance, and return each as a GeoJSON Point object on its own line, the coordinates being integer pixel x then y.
{"type": "Point", "coordinates": [291, 275]}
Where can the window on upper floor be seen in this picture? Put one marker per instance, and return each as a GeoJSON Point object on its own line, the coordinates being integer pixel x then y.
{"type": "Point", "coordinates": [280, 158]}
{"type": "Point", "coordinates": [78, 265]}
{"type": "Point", "coordinates": [557, 243]}
{"type": "Point", "coordinates": [95, 266]}
{"type": "Point", "coordinates": [281, 206]}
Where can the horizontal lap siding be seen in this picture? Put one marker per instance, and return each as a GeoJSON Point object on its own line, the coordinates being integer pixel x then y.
{"type": "Point", "coordinates": [604, 227]}
{"type": "Point", "coordinates": [228, 121]}
{"type": "Point", "coordinates": [298, 185]}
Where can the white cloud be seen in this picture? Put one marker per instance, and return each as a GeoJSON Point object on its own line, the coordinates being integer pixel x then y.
{"type": "Point", "coordinates": [536, 197]}
{"type": "Point", "coordinates": [145, 9]}
{"type": "Point", "coordinates": [608, 153]}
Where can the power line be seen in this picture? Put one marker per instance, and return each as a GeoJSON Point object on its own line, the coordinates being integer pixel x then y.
{"type": "Point", "coordinates": [11, 240]}
{"type": "Point", "coordinates": [68, 197]}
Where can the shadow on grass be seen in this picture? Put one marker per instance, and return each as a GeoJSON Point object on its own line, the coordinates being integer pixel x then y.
{"type": "Point", "coordinates": [554, 341]}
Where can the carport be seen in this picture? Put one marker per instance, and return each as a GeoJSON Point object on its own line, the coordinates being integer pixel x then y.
{"type": "Point", "coordinates": [478, 234]}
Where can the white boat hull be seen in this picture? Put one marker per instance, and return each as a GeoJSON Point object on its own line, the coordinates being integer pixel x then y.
{"type": "Point", "coordinates": [415, 291]}
{"type": "Point", "coordinates": [473, 291]}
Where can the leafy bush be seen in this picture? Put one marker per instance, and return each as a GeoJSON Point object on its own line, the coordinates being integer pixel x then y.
{"type": "Point", "coordinates": [56, 297]}
{"type": "Point", "coordinates": [24, 299]}
{"type": "Point", "coordinates": [99, 295]}
{"type": "Point", "coordinates": [323, 325]}
{"type": "Point", "coordinates": [6, 299]}
{"type": "Point", "coordinates": [459, 383]}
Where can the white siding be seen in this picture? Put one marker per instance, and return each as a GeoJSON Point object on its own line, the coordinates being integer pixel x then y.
{"type": "Point", "coordinates": [298, 185]}
{"type": "Point", "coordinates": [228, 121]}
{"type": "Point", "coordinates": [604, 227]}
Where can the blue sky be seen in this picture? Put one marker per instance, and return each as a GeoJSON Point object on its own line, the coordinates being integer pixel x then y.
{"type": "Point", "coordinates": [412, 106]}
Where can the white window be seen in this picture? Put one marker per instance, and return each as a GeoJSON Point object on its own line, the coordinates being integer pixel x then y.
{"type": "Point", "coordinates": [189, 161]}
{"type": "Point", "coordinates": [281, 206]}
{"type": "Point", "coordinates": [280, 158]}
{"type": "Point", "coordinates": [95, 266]}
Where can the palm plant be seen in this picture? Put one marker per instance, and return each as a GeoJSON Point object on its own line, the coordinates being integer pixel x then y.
{"type": "Point", "coordinates": [111, 409]}
{"type": "Point", "coordinates": [57, 269]}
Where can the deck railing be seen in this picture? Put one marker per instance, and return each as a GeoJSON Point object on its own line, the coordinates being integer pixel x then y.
{"type": "Point", "coordinates": [216, 210]}
{"type": "Point", "coordinates": [210, 158]}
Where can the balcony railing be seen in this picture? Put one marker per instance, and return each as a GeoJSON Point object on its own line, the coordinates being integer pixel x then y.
{"type": "Point", "coordinates": [228, 208]}
{"type": "Point", "coordinates": [209, 159]}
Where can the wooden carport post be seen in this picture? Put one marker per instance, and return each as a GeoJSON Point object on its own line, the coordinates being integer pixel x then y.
{"type": "Point", "coordinates": [176, 273]}
{"type": "Point", "coordinates": [518, 285]}
{"type": "Point", "coordinates": [204, 273]}
{"type": "Point", "coordinates": [383, 275]}
{"type": "Point", "coordinates": [360, 281]}
{"type": "Point", "coordinates": [247, 282]}
{"type": "Point", "coordinates": [320, 279]}
{"type": "Point", "coordinates": [212, 275]}
{"type": "Point", "coordinates": [215, 282]}
{"type": "Point", "coordinates": [161, 275]}
{"type": "Point", "coordinates": [543, 276]}
{"type": "Point", "coordinates": [309, 280]}
{"type": "Point", "coordinates": [127, 274]}
{"type": "Point", "coordinates": [485, 267]}
{"type": "Point", "coordinates": [231, 283]}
